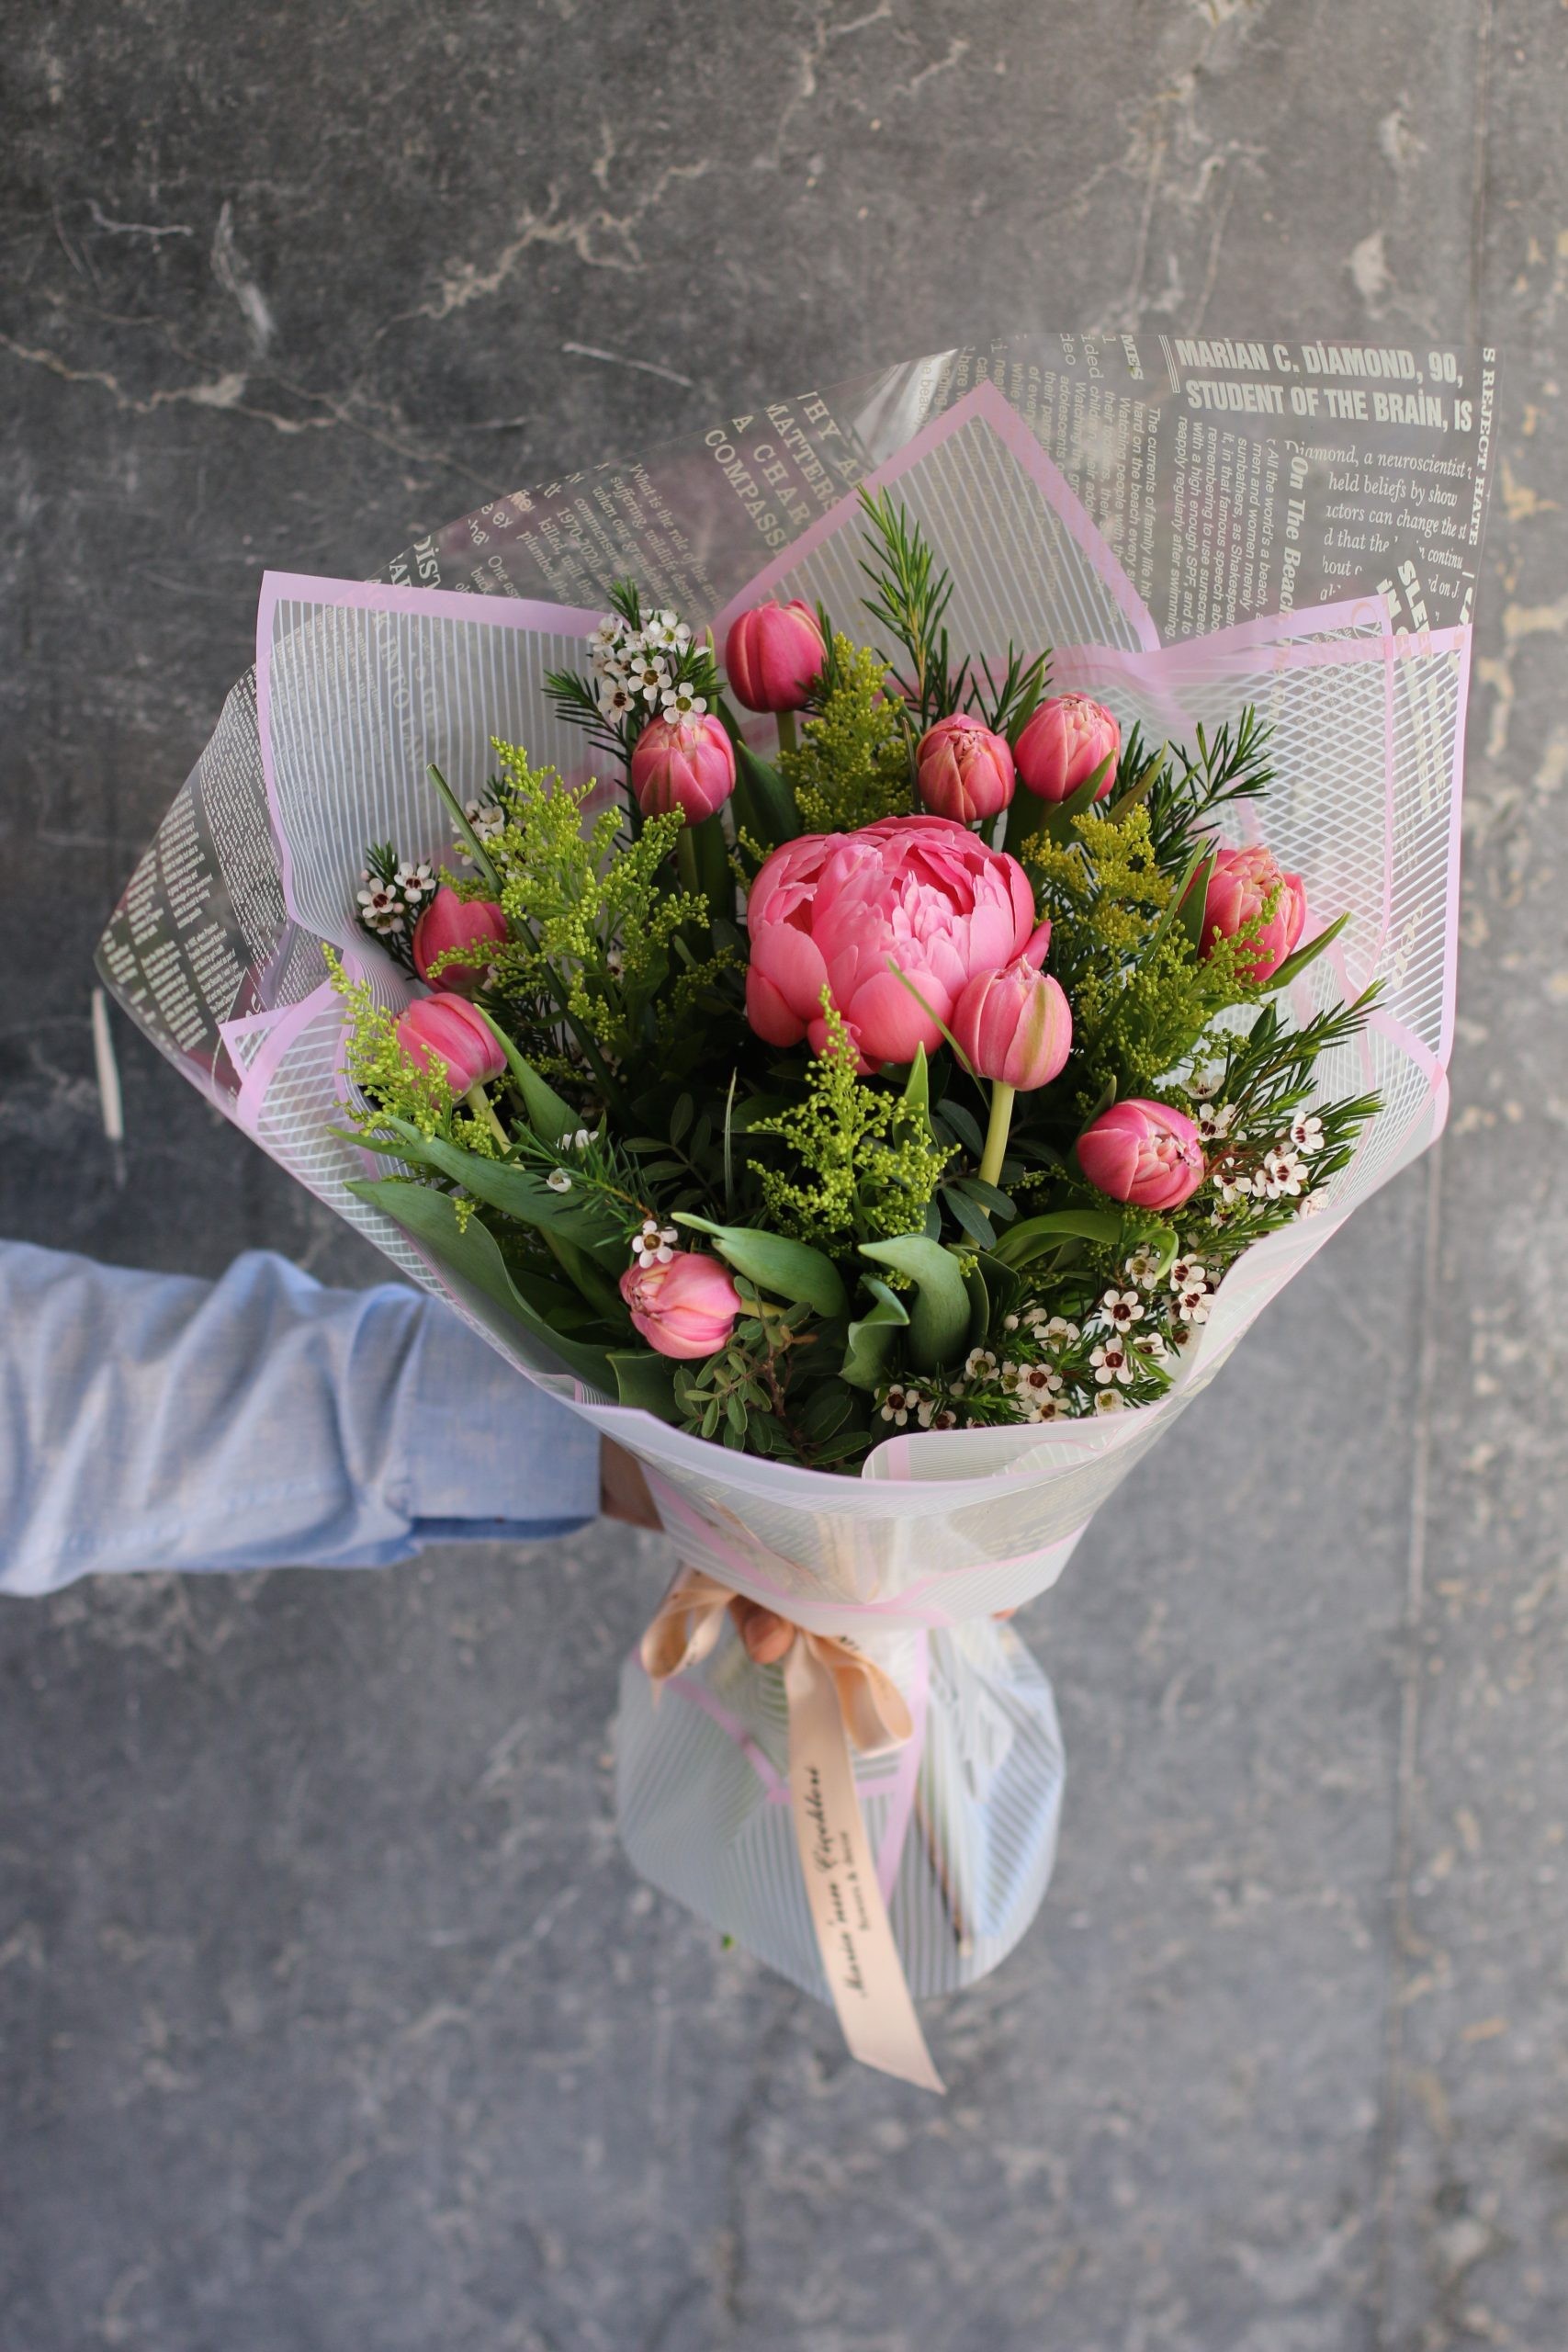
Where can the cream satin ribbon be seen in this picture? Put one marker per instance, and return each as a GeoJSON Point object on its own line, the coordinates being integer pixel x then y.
{"type": "Point", "coordinates": [836, 1694]}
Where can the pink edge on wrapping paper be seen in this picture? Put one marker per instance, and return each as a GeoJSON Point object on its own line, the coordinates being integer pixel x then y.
{"type": "Point", "coordinates": [380, 596]}
{"type": "Point", "coordinates": [993, 408]}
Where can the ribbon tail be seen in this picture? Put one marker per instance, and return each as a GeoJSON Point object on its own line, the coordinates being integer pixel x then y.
{"type": "Point", "coordinates": [854, 1935]}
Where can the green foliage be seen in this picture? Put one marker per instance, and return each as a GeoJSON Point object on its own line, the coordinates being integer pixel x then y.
{"type": "Point", "coordinates": [852, 762]}
{"type": "Point", "coordinates": [870, 1162]}
{"type": "Point", "coordinates": [1142, 996]}
{"type": "Point", "coordinates": [389, 1079]}
{"type": "Point", "coordinates": [909, 596]}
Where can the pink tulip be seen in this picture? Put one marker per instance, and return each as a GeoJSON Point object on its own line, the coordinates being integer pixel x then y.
{"type": "Point", "coordinates": [773, 656]}
{"type": "Point", "coordinates": [963, 770]}
{"type": "Point", "coordinates": [1244, 883]}
{"type": "Point", "coordinates": [1014, 1026]}
{"type": "Point", "coordinates": [444, 1033]}
{"type": "Point", "coordinates": [837, 910]}
{"type": "Point", "coordinates": [685, 764]}
{"type": "Point", "coordinates": [451, 923]}
{"type": "Point", "coordinates": [1143, 1152]}
{"type": "Point", "coordinates": [686, 1308]}
{"type": "Point", "coordinates": [1064, 743]}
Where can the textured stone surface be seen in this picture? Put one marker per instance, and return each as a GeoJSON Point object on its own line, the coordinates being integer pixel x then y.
{"type": "Point", "coordinates": [332, 2016]}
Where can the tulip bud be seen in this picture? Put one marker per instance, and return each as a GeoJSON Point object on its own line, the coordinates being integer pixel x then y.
{"type": "Point", "coordinates": [450, 922]}
{"type": "Point", "coordinates": [685, 764]}
{"type": "Point", "coordinates": [773, 655]}
{"type": "Point", "coordinates": [444, 1033]}
{"type": "Point", "coordinates": [1014, 1026]}
{"type": "Point", "coordinates": [963, 770]}
{"type": "Point", "coordinates": [1062, 744]}
{"type": "Point", "coordinates": [1143, 1152]}
{"type": "Point", "coordinates": [686, 1308]}
{"type": "Point", "coordinates": [1244, 883]}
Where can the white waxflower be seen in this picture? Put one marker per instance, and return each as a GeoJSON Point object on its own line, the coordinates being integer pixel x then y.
{"type": "Point", "coordinates": [616, 699]}
{"type": "Point", "coordinates": [1037, 1380]}
{"type": "Point", "coordinates": [1110, 1362]}
{"type": "Point", "coordinates": [380, 909]}
{"type": "Point", "coordinates": [655, 1244]}
{"type": "Point", "coordinates": [1306, 1132]}
{"type": "Point", "coordinates": [1009, 1322]}
{"type": "Point", "coordinates": [1058, 1332]}
{"type": "Point", "coordinates": [604, 636]}
{"type": "Point", "coordinates": [932, 1415]}
{"type": "Point", "coordinates": [1192, 1304]}
{"type": "Point", "coordinates": [558, 1180]}
{"type": "Point", "coordinates": [577, 1141]}
{"type": "Point", "coordinates": [897, 1404]}
{"type": "Point", "coordinates": [979, 1362]}
{"type": "Point", "coordinates": [1312, 1206]}
{"type": "Point", "coordinates": [1122, 1308]}
{"type": "Point", "coordinates": [1281, 1176]}
{"type": "Point", "coordinates": [1109, 1400]}
{"type": "Point", "coordinates": [1205, 1082]}
{"type": "Point", "coordinates": [1215, 1120]}
{"type": "Point", "coordinates": [416, 882]}
{"type": "Point", "coordinates": [1187, 1274]}
{"type": "Point", "coordinates": [1143, 1267]}
{"type": "Point", "coordinates": [1150, 1344]}
{"type": "Point", "coordinates": [488, 818]}
{"type": "Point", "coordinates": [679, 702]}
{"type": "Point", "coordinates": [651, 678]}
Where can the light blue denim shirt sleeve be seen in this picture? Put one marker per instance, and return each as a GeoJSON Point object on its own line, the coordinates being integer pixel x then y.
{"type": "Point", "coordinates": [156, 1421]}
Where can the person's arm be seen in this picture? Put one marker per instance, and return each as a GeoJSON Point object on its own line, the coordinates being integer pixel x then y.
{"type": "Point", "coordinates": [155, 1422]}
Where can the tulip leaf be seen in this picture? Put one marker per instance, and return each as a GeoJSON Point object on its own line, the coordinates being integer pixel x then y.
{"type": "Point", "coordinates": [989, 1196]}
{"type": "Point", "coordinates": [715, 879]}
{"type": "Point", "coordinates": [766, 805]}
{"type": "Point", "coordinates": [962, 1125]}
{"type": "Point", "coordinates": [472, 1256]}
{"type": "Point", "coordinates": [1192, 899]}
{"type": "Point", "coordinates": [1294, 965]}
{"type": "Point", "coordinates": [588, 1275]}
{"type": "Point", "coordinates": [871, 1340]}
{"type": "Point", "coordinates": [549, 1117]}
{"type": "Point", "coordinates": [646, 1381]}
{"type": "Point", "coordinates": [582, 1216]}
{"type": "Point", "coordinates": [1038, 1234]}
{"type": "Point", "coordinates": [979, 1301]}
{"type": "Point", "coordinates": [1003, 1288]}
{"type": "Point", "coordinates": [939, 1319]}
{"type": "Point", "coordinates": [791, 1270]}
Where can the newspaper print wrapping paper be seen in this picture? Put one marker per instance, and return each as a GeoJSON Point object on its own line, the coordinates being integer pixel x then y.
{"type": "Point", "coordinates": [1191, 526]}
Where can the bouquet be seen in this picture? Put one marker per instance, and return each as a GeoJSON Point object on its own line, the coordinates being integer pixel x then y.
{"type": "Point", "coordinates": [779, 1100]}
{"type": "Point", "coordinates": [835, 990]}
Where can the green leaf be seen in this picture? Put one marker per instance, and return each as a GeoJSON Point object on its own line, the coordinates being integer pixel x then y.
{"type": "Point", "coordinates": [646, 1380]}
{"type": "Point", "coordinates": [918, 1087]}
{"type": "Point", "coordinates": [979, 1302]}
{"type": "Point", "coordinates": [767, 806]}
{"type": "Point", "coordinates": [1190, 900]}
{"type": "Point", "coordinates": [990, 1197]}
{"type": "Point", "coordinates": [680, 1117]}
{"type": "Point", "coordinates": [1038, 1234]}
{"type": "Point", "coordinates": [1003, 1288]}
{"type": "Point", "coordinates": [582, 1216]}
{"type": "Point", "coordinates": [870, 1341]}
{"type": "Point", "coordinates": [429, 1218]}
{"type": "Point", "coordinates": [939, 1321]}
{"type": "Point", "coordinates": [1294, 965]}
{"type": "Point", "coordinates": [549, 1117]}
{"type": "Point", "coordinates": [791, 1270]}
{"type": "Point", "coordinates": [968, 1215]}
{"type": "Point", "coordinates": [714, 878]}
{"type": "Point", "coordinates": [589, 1276]}
{"type": "Point", "coordinates": [962, 1124]}
{"type": "Point", "coordinates": [825, 1412]}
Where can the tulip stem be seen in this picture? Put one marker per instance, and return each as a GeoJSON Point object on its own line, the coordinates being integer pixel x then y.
{"type": "Point", "coordinates": [787, 730]}
{"type": "Point", "coordinates": [997, 1133]}
{"type": "Point", "coordinates": [686, 859]}
{"type": "Point", "coordinates": [478, 1103]}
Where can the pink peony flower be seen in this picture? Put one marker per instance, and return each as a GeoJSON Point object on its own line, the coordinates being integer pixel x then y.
{"type": "Point", "coordinates": [773, 655]}
{"type": "Point", "coordinates": [1143, 1152]}
{"type": "Point", "coordinates": [451, 923]}
{"type": "Point", "coordinates": [1062, 744]}
{"type": "Point", "coordinates": [837, 910]}
{"type": "Point", "coordinates": [963, 770]}
{"type": "Point", "coordinates": [685, 1307]}
{"type": "Point", "coordinates": [445, 1032]}
{"type": "Point", "coordinates": [1014, 1026]}
{"type": "Point", "coordinates": [683, 764]}
{"type": "Point", "coordinates": [1242, 885]}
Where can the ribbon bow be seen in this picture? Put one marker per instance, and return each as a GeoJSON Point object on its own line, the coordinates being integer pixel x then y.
{"type": "Point", "coordinates": [835, 1695]}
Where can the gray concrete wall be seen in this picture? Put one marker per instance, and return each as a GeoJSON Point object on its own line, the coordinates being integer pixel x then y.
{"type": "Point", "coordinates": [332, 2018]}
